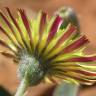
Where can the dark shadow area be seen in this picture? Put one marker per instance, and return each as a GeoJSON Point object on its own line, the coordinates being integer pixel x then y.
{"type": "Point", "coordinates": [4, 92]}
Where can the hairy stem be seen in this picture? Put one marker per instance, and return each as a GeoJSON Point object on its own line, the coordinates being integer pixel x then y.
{"type": "Point", "coordinates": [22, 87]}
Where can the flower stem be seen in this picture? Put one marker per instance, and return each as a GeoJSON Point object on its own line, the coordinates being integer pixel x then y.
{"type": "Point", "coordinates": [22, 87]}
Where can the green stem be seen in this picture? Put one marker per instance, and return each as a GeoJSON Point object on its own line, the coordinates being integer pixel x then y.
{"type": "Point", "coordinates": [22, 87]}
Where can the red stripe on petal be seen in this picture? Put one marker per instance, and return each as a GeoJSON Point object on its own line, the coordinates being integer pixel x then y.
{"type": "Point", "coordinates": [26, 23]}
{"type": "Point", "coordinates": [8, 54]}
{"type": "Point", "coordinates": [54, 28]}
{"type": "Point", "coordinates": [75, 77]}
{"type": "Point", "coordinates": [66, 35]}
{"type": "Point", "coordinates": [6, 45]}
{"type": "Point", "coordinates": [75, 45]}
{"type": "Point", "coordinates": [42, 26]}
{"type": "Point", "coordinates": [17, 46]}
{"type": "Point", "coordinates": [15, 22]}
{"type": "Point", "coordinates": [82, 59]}
{"type": "Point", "coordinates": [12, 18]}
{"type": "Point", "coordinates": [5, 32]}
{"type": "Point", "coordinates": [78, 79]}
{"type": "Point", "coordinates": [87, 73]}
{"type": "Point", "coordinates": [42, 23]}
{"type": "Point", "coordinates": [9, 25]}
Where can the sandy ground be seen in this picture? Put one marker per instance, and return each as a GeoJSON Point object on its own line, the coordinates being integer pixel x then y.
{"type": "Point", "coordinates": [86, 10]}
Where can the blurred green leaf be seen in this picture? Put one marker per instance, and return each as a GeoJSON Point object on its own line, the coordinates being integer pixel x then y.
{"type": "Point", "coordinates": [66, 89]}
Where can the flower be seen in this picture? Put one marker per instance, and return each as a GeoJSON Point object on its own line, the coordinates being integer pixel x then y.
{"type": "Point", "coordinates": [45, 52]}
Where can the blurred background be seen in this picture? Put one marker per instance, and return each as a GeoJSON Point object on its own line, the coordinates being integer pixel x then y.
{"type": "Point", "coordinates": [86, 12]}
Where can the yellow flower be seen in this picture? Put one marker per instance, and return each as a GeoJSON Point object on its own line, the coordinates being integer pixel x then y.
{"type": "Point", "coordinates": [44, 51]}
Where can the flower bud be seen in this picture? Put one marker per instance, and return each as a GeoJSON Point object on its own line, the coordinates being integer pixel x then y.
{"type": "Point", "coordinates": [69, 16]}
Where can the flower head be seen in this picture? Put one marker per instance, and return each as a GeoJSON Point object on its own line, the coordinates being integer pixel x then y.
{"type": "Point", "coordinates": [44, 51]}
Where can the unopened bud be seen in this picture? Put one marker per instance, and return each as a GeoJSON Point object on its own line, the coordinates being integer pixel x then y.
{"type": "Point", "coordinates": [69, 16]}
